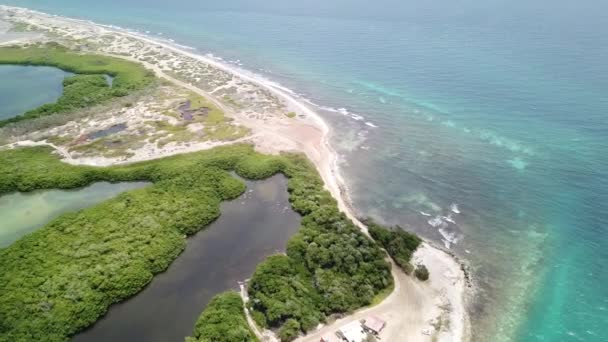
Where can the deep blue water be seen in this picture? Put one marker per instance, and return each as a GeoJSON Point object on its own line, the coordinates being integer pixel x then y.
{"type": "Point", "coordinates": [498, 106]}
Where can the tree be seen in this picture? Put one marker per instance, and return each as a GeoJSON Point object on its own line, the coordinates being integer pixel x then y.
{"type": "Point", "coordinates": [289, 331]}
{"type": "Point", "coordinates": [422, 273]}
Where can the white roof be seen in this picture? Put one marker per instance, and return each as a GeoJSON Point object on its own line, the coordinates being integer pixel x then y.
{"type": "Point", "coordinates": [374, 323]}
{"type": "Point", "coordinates": [353, 332]}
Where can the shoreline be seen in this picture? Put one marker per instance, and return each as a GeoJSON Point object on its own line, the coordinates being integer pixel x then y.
{"type": "Point", "coordinates": [312, 137]}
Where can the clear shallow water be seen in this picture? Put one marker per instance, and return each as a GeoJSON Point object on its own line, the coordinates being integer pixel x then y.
{"type": "Point", "coordinates": [498, 106]}
{"type": "Point", "coordinates": [23, 213]}
{"type": "Point", "coordinates": [23, 88]}
{"type": "Point", "coordinates": [252, 227]}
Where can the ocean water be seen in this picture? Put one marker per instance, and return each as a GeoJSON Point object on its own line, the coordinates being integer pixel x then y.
{"type": "Point", "coordinates": [496, 106]}
{"type": "Point", "coordinates": [26, 87]}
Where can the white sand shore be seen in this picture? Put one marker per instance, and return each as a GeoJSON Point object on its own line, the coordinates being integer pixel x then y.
{"type": "Point", "coordinates": [414, 307]}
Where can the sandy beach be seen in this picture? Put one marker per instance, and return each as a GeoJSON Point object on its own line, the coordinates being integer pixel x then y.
{"type": "Point", "coordinates": [415, 311]}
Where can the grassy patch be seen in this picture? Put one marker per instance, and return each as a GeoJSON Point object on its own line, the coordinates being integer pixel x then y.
{"type": "Point", "coordinates": [88, 87]}
{"type": "Point", "coordinates": [110, 146]}
{"type": "Point", "coordinates": [59, 140]}
{"type": "Point", "coordinates": [231, 101]}
{"type": "Point", "coordinates": [216, 126]}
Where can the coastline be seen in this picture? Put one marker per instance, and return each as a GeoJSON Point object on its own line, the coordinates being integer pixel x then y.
{"type": "Point", "coordinates": [442, 296]}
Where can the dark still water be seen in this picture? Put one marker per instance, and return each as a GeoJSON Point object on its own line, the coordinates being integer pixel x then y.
{"type": "Point", "coordinates": [252, 227]}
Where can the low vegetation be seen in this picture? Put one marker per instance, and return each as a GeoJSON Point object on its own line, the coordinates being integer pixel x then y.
{"type": "Point", "coordinates": [399, 244]}
{"type": "Point", "coordinates": [223, 320]}
{"type": "Point", "coordinates": [88, 87]}
{"type": "Point", "coordinates": [422, 273]}
{"type": "Point", "coordinates": [216, 126]}
{"type": "Point", "coordinates": [61, 278]}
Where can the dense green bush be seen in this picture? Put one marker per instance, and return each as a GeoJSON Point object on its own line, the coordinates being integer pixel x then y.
{"type": "Point", "coordinates": [290, 330]}
{"type": "Point", "coordinates": [281, 290]}
{"type": "Point", "coordinates": [256, 167]}
{"type": "Point", "coordinates": [223, 320]}
{"type": "Point", "coordinates": [85, 89]}
{"type": "Point", "coordinates": [399, 244]}
{"type": "Point", "coordinates": [422, 273]}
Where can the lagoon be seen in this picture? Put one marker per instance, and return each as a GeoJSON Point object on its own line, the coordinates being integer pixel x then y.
{"type": "Point", "coordinates": [23, 88]}
{"type": "Point", "coordinates": [253, 226]}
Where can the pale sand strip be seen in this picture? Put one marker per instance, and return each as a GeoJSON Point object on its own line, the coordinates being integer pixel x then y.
{"type": "Point", "coordinates": [412, 306]}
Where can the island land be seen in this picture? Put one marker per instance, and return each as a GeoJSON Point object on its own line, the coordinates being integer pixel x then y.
{"type": "Point", "coordinates": [183, 122]}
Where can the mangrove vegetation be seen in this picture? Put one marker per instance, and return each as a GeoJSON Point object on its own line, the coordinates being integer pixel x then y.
{"type": "Point", "coordinates": [399, 244]}
{"type": "Point", "coordinates": [63, 277]}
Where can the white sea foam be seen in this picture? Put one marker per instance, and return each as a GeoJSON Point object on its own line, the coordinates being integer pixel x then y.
{"type": "Point", "coordinates": [436, 221]}
{"type": "Point", "coordinates": [448, 219]}
{"type": "Point", "coordinates": [341, 110]}
{"type": "Point", "coordinates": [454, 208]}
{"type": "Point", "coordinates": [449, 238]}
{"type": "Point", "coordinates": [424, 214]}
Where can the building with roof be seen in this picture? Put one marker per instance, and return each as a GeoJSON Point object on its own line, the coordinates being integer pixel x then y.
{"type": "Point", "coordinates": [374, 325]}
{"type": "Point", "coordinates": [352, 332]}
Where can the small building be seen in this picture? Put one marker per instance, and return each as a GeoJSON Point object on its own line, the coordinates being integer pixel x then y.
{"type": "Point", "coordinates": [374, 325]}
{"type": "Point", "coordinates": [330, 338]}
{"type": "Point", "coordinates": [352, 332]}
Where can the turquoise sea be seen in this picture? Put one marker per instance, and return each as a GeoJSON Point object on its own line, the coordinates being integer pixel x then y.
{"type": "Point", "coordinates": [499, 107]}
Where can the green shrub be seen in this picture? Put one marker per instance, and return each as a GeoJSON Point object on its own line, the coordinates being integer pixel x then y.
{"type": "Point", "coordinates": [223, 320]}
{"type": "Point", "coordinates": [259, 167]}
{"type": "Point", "coordinates": [422, 273]}
{"type": "Point", "coordinates": [289, 331]}
{"type": "Point", "coordinates": [399, 244]}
